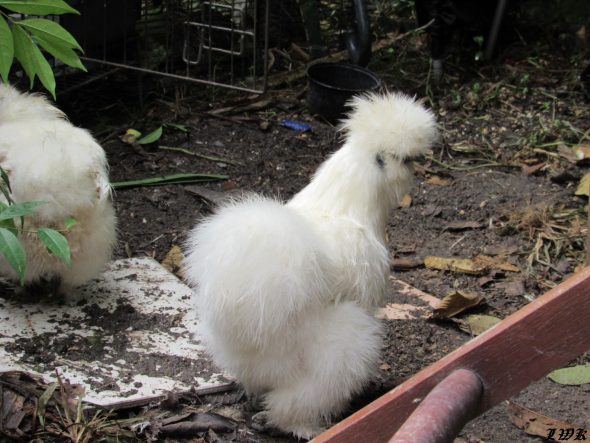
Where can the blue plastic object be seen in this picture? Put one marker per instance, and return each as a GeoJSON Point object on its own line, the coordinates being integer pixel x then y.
{"type": "Point", "coordinates": [296, 126]}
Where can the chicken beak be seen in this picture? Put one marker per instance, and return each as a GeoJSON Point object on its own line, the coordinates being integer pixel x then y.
{"type": "Point", "coordinates": [408, 161]}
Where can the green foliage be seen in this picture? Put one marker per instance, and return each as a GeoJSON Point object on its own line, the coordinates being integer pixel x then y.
{"type": "Point", "coordinates": [10, 245]}
{"type": "Point", "coordinates": [13, 251]}
{"type": "Point", "coordinates": [56, 243]}
{"type": "Point", "coordinates": [151, 137]}
{"type": "Point", "coordinates": [575, 375]}
{"type": "Point", "coordinates": [178, 127]}
{"type": "Point", "coordinates": [169, 179]}
{"type": "Point", "coordinates": [24, 40]}
{"type": "Point", "coordinates": [19, 210]}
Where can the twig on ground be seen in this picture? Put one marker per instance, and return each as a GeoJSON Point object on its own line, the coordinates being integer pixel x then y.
{"type": "Point", "coordinates": [144, 401]}
{"type": "Point", "coordinates": [196, 154]}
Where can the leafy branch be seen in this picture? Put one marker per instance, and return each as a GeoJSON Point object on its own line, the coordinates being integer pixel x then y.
{"type": "Point", "coordinates": [22, 39]}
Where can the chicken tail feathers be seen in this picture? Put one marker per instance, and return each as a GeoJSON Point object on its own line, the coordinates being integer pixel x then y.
{"type": "Point", "coordinates": [256, 266]}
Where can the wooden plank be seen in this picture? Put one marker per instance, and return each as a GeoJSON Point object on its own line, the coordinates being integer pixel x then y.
{"type": "Point", "coordinates": [544, 335]}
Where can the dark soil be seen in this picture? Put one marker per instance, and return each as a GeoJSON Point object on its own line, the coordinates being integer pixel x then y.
{"type": "Point", "coordinates": [497, 120]}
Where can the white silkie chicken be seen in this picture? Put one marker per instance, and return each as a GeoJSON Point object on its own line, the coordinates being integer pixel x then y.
{"type": "Point", "coordinates": [286, 292]}
{"type": "Point", "coordinates": [48, 159]}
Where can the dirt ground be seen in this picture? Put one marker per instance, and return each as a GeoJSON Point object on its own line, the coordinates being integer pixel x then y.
{"type": "Point", "coordinates": [498, 184]}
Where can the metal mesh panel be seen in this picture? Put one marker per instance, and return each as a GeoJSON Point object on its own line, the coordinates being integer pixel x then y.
{"type": "Point", "coordinates": [221, 43]}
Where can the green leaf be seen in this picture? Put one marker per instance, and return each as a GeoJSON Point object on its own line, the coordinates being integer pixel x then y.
{"type": "Point", "coordinates": [151, 137]}
{"type": "Point", "coordinates": [38, 7]}
{"type": "Point", "coordinates": [177, 126]}
{"type": "Point", "coordinates": [49, 30]}
{"type": "Point", "coordinates": [575, 375]}
{"type": "Point", "coordinates": [476, 324]}
{"type": "Point", "coordinates": [13, 252]}
{"type": "Point", "coordinates": [6, 192]}
{"type": "Point", "coordinates": [31, 59]}
{"type": "Point", "coordinates": [584, 185]}
{"type": "Point", "coordinates": [6, 49]}
{"type": "Point", "coordinates": [43, 400]}
{"type": "Point", "coordinates": [130, 137]}
{"type": "Point", "coordinates": [5, 185]}
{"type": "Point", "coordinates": [20, 210]}
{"type": "Point", "coordinates": [71, 222]}
{"type": "Point", "coordinates": [56, 243]}
{"type": "Point", "coordinates": [169, 179]}
{"type": "Point", "coordinates": [22, 51]}
{"type": "Point", "coordinates": [66, 55]}
{"type": "Point", "coordinates": [5, 179]}
{"type": "Point", "coordinates": [9, 224]}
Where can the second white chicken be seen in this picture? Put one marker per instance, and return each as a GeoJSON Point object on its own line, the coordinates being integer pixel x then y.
{"type": "Point", "coordinates": [48, 159]}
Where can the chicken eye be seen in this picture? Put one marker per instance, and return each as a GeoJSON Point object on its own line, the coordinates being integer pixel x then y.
{"type": "Point", "coordinates": [380, 161]}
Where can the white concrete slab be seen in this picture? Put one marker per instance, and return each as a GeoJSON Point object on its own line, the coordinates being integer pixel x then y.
{"type": "Point", "coordinates": [127, 337]}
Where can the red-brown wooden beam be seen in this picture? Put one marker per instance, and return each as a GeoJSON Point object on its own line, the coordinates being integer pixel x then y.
{"type": "Point", "coordinates": [544, 335]}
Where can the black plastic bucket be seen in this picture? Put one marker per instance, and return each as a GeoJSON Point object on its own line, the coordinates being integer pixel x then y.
{"type": "Point", "coordinates": [331, 85]}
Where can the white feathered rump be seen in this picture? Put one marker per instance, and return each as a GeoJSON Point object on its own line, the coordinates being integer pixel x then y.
{"type": "Point", "coordinates": [258, 268]}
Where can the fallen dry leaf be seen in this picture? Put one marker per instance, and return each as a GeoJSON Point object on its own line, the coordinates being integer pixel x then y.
{"type": "Point", "coordinates": [501, 249]}
{"type": "Point", "coordinates": [532, 169]}
{"type": "Point", "coordinates": [463, 225]}
{"type": "Point", "coordinates": [583, 185]}
{"type": "Point", "coordinates": [406, 201]}
{"type": "Point", "coordinates": [438, 181]}
{"type": "Point", "coordinates": [403, 264]}
{"type": "Point", "coordinates": [384, 367]}
{"type": "Point", "coordinates": [512, 288]}
{"type": "Point", "coordinates": [567, 153]}
{"type": "Point", "coordinates": [460, 265]}
{"type": "Point", "coordinates": [574, 375]}
{"type": "Point", "coordinates": [475, 324]}
{"type": "Point", "coordinates": [582, 153]}
{"type": "Point", "coordinates": [537, 424]}
{"type": "Point", "coordinates": [27, 400]}
{"type": "Point", "coordinates": [173, 260]}
{"type": "Point", "coordinates": [456, 302]}
{"type": "Point", "coordinates": [582, 35]}
{"type": "Point", "coordinates": [495, 263]}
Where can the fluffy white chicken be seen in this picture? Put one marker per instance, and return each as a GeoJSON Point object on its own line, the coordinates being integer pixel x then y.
{"type": "Point", "coordinates": [286, 292]}
{"type": "Point", "coordinates": [48, 159]}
